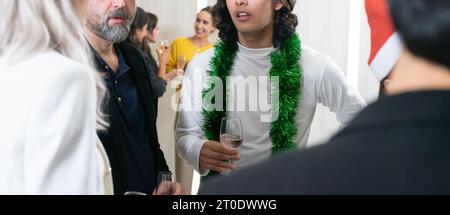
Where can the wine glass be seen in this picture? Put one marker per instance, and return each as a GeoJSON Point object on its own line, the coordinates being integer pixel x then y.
{"type": "Point", "coordinates": [164, 45]}
{"type": "Point", "coordinates": [166, 183]}
{"type": "Point", "coordinates": [231, 135]}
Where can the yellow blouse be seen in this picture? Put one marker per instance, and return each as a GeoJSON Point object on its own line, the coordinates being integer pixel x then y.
{"type": "Point", "coordinates": [185, 48]}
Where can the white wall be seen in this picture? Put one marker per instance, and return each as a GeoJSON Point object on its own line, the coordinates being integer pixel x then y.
{"type": "Point", "coordinates": [324, 26]}
{"type": "Point", "coordinates": [176, 17]}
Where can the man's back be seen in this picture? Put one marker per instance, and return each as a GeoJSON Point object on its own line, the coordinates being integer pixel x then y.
{"type": "Point", "coordinates": [400, 145]}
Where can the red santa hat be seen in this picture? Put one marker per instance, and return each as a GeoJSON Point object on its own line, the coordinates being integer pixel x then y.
{"type": "Point", "coordinates": [386, 44]}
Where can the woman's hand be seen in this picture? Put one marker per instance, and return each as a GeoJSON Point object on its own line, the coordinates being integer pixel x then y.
{"type": "Point", "coordinates": [163, 54]}
{"type": "Point", "coordinates": [174, 73]}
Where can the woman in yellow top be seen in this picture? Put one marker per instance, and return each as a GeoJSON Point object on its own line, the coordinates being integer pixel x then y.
{"type": "Point", "coordinates": [184, 49]}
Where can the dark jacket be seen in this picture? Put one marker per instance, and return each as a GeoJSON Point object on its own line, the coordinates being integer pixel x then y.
{"type": "Point", "coordinates": [399, 145]}
{"type": "Point", "coordinates": [158, 84]}
{"type": "Point", "coordinates": [113, 139]}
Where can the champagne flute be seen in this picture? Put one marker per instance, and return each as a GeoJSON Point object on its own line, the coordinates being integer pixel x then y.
{"type": "Point", "coordinates": [181, 62]}
{"type": "Point", "coordinates": [231, 134]}
{"type": "Point", "coordinates": [166, 183]}
{"type": "Point", "coordinates": [181, 65]}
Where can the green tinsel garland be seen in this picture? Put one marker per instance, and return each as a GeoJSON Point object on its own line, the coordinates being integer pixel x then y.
{"type": "Point", "coordinates": [285, 65]}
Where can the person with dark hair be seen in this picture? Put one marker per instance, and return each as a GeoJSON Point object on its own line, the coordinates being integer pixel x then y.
{"type": "Point", "coordinates": [131, 141]}
{"type": "Point", "coordinates": [136, 38]}
{"type": "Point", "coordinates": [406, 151]}
{"type": "Point", "coordinates": [138, 28]}
{"type": "Point", "coordinates": [157, 67]}
{"type": "Point", "coordinates": [270, 80]}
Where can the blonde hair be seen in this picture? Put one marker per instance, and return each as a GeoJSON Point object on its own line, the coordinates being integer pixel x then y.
{"type": "Point", "coordinates": [28, 27]}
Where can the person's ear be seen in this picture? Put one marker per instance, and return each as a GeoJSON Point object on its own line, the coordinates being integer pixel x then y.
{"type": "Point", "coordinates": [386, 85]}
{"type": "Point", "coordinates": [278, 5]}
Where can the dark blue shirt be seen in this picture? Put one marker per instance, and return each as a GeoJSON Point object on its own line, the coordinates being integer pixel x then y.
{"type": "Point", "coordinates": [140, 163]}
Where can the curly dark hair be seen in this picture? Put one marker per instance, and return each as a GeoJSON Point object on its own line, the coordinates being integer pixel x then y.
{"type": "Point", "coordinates": [284, 23]}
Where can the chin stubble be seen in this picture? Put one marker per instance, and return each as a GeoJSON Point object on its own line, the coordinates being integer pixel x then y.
{"type": "Point", "coordinates": [113, 34]}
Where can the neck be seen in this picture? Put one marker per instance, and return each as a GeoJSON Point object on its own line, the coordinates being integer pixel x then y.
{"type": "Point", "coordinates": [262, 39]}
{"type": "Point", "coordinates": [100, 45]}
{"type": "Point", "coordinates": [413, 74]}
{"type": "Point", "coordinates": [199, 41]}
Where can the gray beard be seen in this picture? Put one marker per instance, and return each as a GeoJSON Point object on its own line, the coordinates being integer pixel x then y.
{"type": "Point", "coordinates": [114, 34]}
{"type": "Point", "coordinates": [98, 24]}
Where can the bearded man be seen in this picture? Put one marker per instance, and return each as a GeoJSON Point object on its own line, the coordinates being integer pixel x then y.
{"type": "Point", "coordinates": [131, 141]}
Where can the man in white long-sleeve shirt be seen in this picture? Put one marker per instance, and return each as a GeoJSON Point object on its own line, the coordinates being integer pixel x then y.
{"type": "Point", "coordinates": [256, 42]}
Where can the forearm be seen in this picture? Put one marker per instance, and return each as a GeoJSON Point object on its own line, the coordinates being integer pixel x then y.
{"type": "Point", "coordinates": [188, 147]}
{"type": "Point", "coordinates": [162, 71]}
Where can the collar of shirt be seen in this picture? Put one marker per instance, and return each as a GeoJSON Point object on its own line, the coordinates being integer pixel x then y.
{"type": "Point", "coordinates": [123, 67]}
{"type": "Point", "coordinates": [103, 66]}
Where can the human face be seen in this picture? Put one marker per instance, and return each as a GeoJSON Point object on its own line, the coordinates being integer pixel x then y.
{"type": "Point", "coordinates": [141, 33]}
{"type": "Point", "coordinates": [203, 24]}
{"type": "Point", "coordinates": [110, 19]}
{"type": "Point", "coordinates": [153, 36]}
{"type": "Point", "coordinates": [251, 17]}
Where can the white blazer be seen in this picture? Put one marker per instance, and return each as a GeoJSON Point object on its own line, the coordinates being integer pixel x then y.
{"type": "Point", "coordinates": [48, 140]}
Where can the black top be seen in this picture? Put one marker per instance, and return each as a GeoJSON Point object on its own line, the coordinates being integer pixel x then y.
{"type": "Point", "coordinates": [158, 84]}
{"type": "Point", "coordinates": [141, 176]}
{"type": "Point", "coordinates": [399, 145]}
{"type": "Point", "coordinates": [131, 140]}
